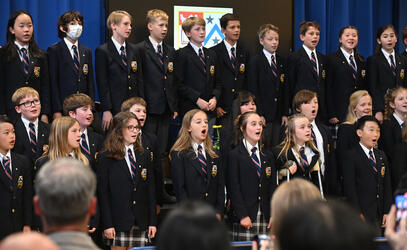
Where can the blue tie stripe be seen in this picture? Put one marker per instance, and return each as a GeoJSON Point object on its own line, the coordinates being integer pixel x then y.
{"type": "Point", "coordinates": [202, 59]}
{"type": "Point", "coordinates": [202, 161]}
{"type": "Point", "coordinates": [33, 138]}
{"type": "Point", "coordinates": [352, 65]}
{"type": "Point", "coordinates": [372, 161]}
{"type": "Point", "coordinates": [304, 161]}
{"type": "Point", "coordinates": [393, 66]}
{"type": "Point", "coordinates": [123, 55]}
{"type": "Point", "coordinates": [233, 57]}
{"type": "Point", "coordinates": [256, 161]}
{"type": "Point", "coordinates": [84, 145]}
{"type": "Point", "coordinates": [273, 66]}
{"type": "Point", "coordinates": [314, 62]}
{"type": "Point", "coordinates": [160, 54]}
{"type": "Point", "coordinates": [7, 170]}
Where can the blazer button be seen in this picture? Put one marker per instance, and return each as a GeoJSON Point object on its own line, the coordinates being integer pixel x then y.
{"type": "Point", "coordinates": [206, 194]}
{"type": "Point", "coordinates": [377, 196]}
{"type": "Point", "coordinates": [135, 189]}
{"type": "Point", "coordinates": [165, 77]}
{"type": "Point", "coordinates": [128, 76]}
{"type": "Point", "coordinates": [134, 202]}
{"type": "Point", "coordinates": [79, 80]}
{"type": "Point", "coordinates": [259, 185]}
{"type": "Point", "coordinates": [26, 82]}
{"type": "Point", "coordinates": [233, 90]}
{"type": "Point", "coordinates": [235, 78]}
{"type": "Point", "coordinates": [12, 210]}
{"type": "Point", "coordinates": [275, 99]}
{"type": "Point", "coordinates": [259, 198]}
{"type": "Point", "coordinates": [129, 88]}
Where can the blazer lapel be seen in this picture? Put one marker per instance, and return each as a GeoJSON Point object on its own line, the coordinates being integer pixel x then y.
{"type": "Point", "coordinates": [367, 161]}
{"type": "Point", "coordinates": [193, 158]}
{"type": "Point", "coordinates": [115, 54]}
{"type": "Point", "coordinates": [267, 65]}
{"type": "Point", "coordinates": [124, 167]}
{"type": "Point", "coordinates": [385, 62]}
{"type": "Point", "coordinates": [308, 62]}
{"type": "Point", "coordinates": [196, 60]}
{"type": "Point", "coordinates": [3, 176]}
{"type": "Point", "coordinates": [150, 50]}
{"type": "Point", "coordinates": [345, 62]}
{"type": "Point", "coordinates": [226, 58]}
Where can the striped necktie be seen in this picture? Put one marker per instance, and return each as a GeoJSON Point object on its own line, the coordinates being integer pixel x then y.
{"type": "Point", "coordinates": [76, 59]}
{"type": "Point", "coordinates": [352, 65]}
{"type": "Point", "coordinates": [123, 55]}
{"type": "Point", "coordinates": [33, 138]}
{"type": "Point", "coordinates": [393, 66]}
{"type": "Point", "coordinates": [233, 57]}
{"type": "Point", "coordinates": [202, 59]}
{"type": "Point", "coordinates": [160, 54]}
{"type": "Point", "coordinates": [304, 161]}
{"type": "Point", "coordinates": [7, 170]}
{"type": "Point", "coordinates": [372, 160]}
{"type": "Point", "coordinates": [202, 161]}
{"type": "Point", "coordinates": [314, 62]}
{"type": "Point", "coordinates": [84, 146]}
{"type": "Point", "coordinates": [25, 60]}
{"type": "Point", "coordinates": [133, 164]}
{"type": "Point", "coordinates": [256, 161]}
{"type": "Point", "coordinates": [273, 66]}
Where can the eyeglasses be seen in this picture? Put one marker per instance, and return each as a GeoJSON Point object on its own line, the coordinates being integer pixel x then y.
{"type": "Point", "coordinates": [28, 104]}
{"type": "Point", "coordinates": [133, 128]}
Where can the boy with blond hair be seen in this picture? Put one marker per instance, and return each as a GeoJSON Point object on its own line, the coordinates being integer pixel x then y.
{"type": "Point", "coordinates": [31, 133]}
{"type": "Point", "coordinates": [157, 62]}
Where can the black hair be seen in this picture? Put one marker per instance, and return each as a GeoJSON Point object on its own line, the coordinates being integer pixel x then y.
{"type": "Point", "coordinates": [4, 118]}
{"type": "Point", "coordinates": [380, 32]}
{"type": "Point", "coordinates": [360, 123]}
{"type": "Point", "coordinates": [10, 49]}
{"type": "Point", "coordinates": [357, 31]}
{"type": "Point", "coordinates": [224, 20]}
{"type": "Point", "coordinates": [193, 225]}
{"type": "Point", "coordinates": [65, 19]}
{"type": "Point", "coordinates": [321, 225]}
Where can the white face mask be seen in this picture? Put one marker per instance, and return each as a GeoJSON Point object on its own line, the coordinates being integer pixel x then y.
{"type": "Point", "coordinates": [75, 31]}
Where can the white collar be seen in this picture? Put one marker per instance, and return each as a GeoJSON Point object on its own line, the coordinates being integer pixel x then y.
{"type": "Point", "coordinates": [196, 48]}
{"type": "Point", "coordinates": [346, 54]}
{"type": "Point", "coordinates": [308, 50]}
{"type": "Point", "coordinates": [249, 146]}
{"type": "Point", "coordinates": [387, 54]}
{"type": "Point", "coordinates": [8, 155]}
{"type": "Point", "coordinates": [155, 44]}
{"type": "Point", "coordinates": [69, 44]}
{"type": "Point", "coordinates": [195, 146]}
{"type": "Point", "coordinates": [118, 45]}
{"type": "Point", "coordinates": [365, 149]}
{"type": "Point", "coordinates": [229, 46]}
{"type": "Point", "coordinates": [27, 122]}
{"type": "Point", "coordinates": [268, 54]}
{"type": "Point", "coordinates": [20, 46]}
{"type": "Point", "coordinates": [400, 121]}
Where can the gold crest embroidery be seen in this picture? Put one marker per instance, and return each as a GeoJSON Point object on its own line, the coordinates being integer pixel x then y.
{"type": "Point", "coordinates": [212, 70]}
{"type": "Point", "coordinates": [170, 66]}
{"type": "Point", "coordinates": [282, 78]}
{"type": "Point", "coordinates": [214, 171]}
{"type": "Point", "coordinates": [268, 172]}
{"type": "Point", "coordinates": [134, 66]}
{"type": "Point", "coordinates": [323, 74]}
{"type": "Point", "coordinates": [402, 73]}
{"type": "Point", "coordinates": [37, 71]}
{"type": "Point", "coordinates": [144, 174]}
{"type": "Point", "coordinates": [242, 68]}
{"type": "Point", "coordinates": [363, 72]}
{"type": "Point", "coordinates": [20, 181]}
{"type": "Point", "coordinates": [85, 69]}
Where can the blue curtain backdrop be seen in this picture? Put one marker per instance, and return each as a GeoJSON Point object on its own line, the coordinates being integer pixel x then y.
{"type": "Point", "coordinates": [366, 15]}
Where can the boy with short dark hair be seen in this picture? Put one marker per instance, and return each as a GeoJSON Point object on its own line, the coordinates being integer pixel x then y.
{"type": "Point", "coordinates": [306, 66]}
{"type": "Point", "coordinates": [366, 174]}
{"type": "Point", "coordinates": [70, 63]}
{"type": "Point", "coordinates": [232, 61]}
{"type": "Point", "coordinates": [16, 191]}
{"type": "Point", "coordinates": [31, 133]}
{"type": "Point", "coordinates": [196, 71]}
{"type": "Point", "coordinates": [79, 106]}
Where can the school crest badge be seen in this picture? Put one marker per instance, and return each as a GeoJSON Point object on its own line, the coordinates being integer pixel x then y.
{"type": "Point", "coordinates": [170, 66]}
{"type": "Point", "coordinates": [37, 71]}
{"type": "Point", "coordinates": [214, 171]}
{"type": "Point", "coordinates": [212, 70]}
{"type": "Point", "coordinates": [323, 74]}
{"type": "Point", "coordinates": [20, 182]}
{"type": "Point", "coordinates": [268, 172]}
{"type": "Point", "coordinates": [242, 68]}
{"type": "Point", "coordinates": [282, 78]}
{"type": "Point", "coordinates": [144, 174]}
{"type": "Point", "coordinates": [402, 73]}
{"type": "Point", "coordinates": [133, 66]}
{"type": "Point", "coordinates": [382, 171]}
{"type": "Point", "coordinates": [85, 69]}
{"type": "Point", "coordinates": [363, 72]}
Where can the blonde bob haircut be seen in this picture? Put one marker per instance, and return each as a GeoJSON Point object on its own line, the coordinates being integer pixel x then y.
{"type": "Point", "coordinates": [184, 140]}
{"type": "Point", "coordinates": [58, 136]}
{"type": "Point", "coordinates": [353, 102]}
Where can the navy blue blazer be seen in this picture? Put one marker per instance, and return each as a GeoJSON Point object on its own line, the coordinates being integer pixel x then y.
{"type": "Point", "coordinates": [380, 77]}
{"type": "Point", "coordinates": [233, 79]}
{"type": "Point", "coordinates": [116, 82]}
{"type": "Point", "coordinates": [160, 91]}
{"type": "Point", "coordinates": [191, 79]}
{"type": "Point", "coordinates": [270, 91]}
{"type": "Point", "coordinates": [12, 77]}
{"type": "Point", "coordinates": [122, 202]}
{"type": "Point", "coordinates": [246, 190]}
{"type": "Point", "coordinates": [189, 180]}
{"type": "Point", "coordinates": [64, 80]}
{"type": "Point", "coordinates": [366, 190]}
{"type": "Point", "coordinates": [16, 203]}
{"type": "Point", "coordinates": [340, 83]}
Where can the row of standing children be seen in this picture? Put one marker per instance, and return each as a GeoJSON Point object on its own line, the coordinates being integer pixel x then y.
{"type": "Point", "coordinates": [197, 81]}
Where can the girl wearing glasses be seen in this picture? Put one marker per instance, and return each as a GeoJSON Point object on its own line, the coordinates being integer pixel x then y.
{"type": "Point", "coordinates": [126, 192]}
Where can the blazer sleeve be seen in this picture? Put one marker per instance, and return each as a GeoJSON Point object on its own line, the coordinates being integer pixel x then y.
{"type": "Point", "coordinates": [45, 86]}
{"type": "Point", "coordinates": [102, 174]}
{"type": "Point", "coordinates": [387, 192]}
{"type": "Point", "coordinates": [220, 203]}
{"type": "Point", "coordinates": [291, 76]}
{"type": "Point", "coordinates": [102, 78]}
{"type": "Point", "coordinates": [91, 80]}
{"type": "Point", "coordinates": [178, 176]}
{"type": "Point", "coordinates": [374, 84]}
{"type": "Point", "coordinates": [28, 190]}
{"type": "Point", "coordinates": [179, 68]}
{"type": "Point", "coordinates": [252, 83]}
{"type": "Point", "coordinates": [217, 88]}
{"type": "Point", "coordinates": [53, 79]}
{"type": "Point", "coordinates": [151, 190]}
{"type": "Point", "coordinates": [236, 197]}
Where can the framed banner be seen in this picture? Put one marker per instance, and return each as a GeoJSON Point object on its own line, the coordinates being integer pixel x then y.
{"type": "Point", "coordinates": [211, 15]}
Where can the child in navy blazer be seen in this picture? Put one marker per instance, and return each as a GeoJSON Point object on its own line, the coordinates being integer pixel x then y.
{"type": "Point", "coordinates": [125, 186]}
{"type": "Point", "coordinates": [23, 64]}
{"type": "Point", "coordinates": [196, 168]}
{"type": "Point", "coordinates": [70, 63]}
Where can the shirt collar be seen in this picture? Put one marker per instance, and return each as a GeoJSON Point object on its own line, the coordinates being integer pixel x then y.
{"type": "Point", "coordinates": [346, 54]}
{"type": "Point", "coordinates": [118, 45]}
{"type": "Point", "coordinates": [268, 54]}
{"type": "Point", "coordinates": [229, 46]}
{"type": "Point", "coordinates": [365, 149]}
{"type": "Point", "coordinates": [154, 43]}
{"type": "Point", "coordinates": [85, 132]}
{"type": "Point", "coordinates": [400, 121]}
{"type": "Point", "coordinates": [27, 122]}
{"type": "Point", "coordinates": [196, 48]}
{"type": "Point", "coordinates": [20, 46]}
{"type": "Point", "coordinates": [249, 146]}
{"type": "Point", "coordinates": [8, 154]}
{"type": "Point", "coordinates": [309, 51]}
{"type": "Point", "coordinates": [387, 54]}
{"type": "Point", "coordinates": [195, 146]}
{"type": "Point", "coordinates": [131, 146]}
{"type": "Point", "coordinates": [69, 44]}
